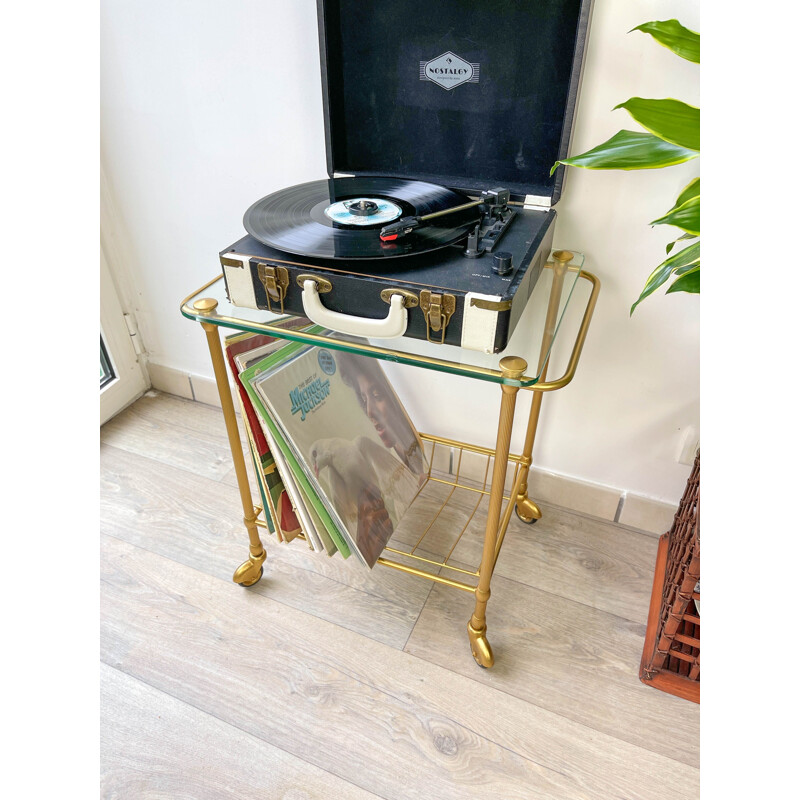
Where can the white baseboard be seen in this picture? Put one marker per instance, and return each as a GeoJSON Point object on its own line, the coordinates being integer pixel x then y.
{"type": "Point", "coordinates": [182, 384]}
{"type": "Point", "coordinates": [170, 381]}
{"type": "Point", "coordinates": [205, 391]}
{"type": "Point", "coordinates": [594, 499]}
{"type": "Point", "coordinates": [646, 514]}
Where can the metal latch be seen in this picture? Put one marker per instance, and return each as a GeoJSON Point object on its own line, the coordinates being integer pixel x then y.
{"type": "Point", "coordinates": [438, 309]}
{"type": "Point", "coordinates": [276, 281]}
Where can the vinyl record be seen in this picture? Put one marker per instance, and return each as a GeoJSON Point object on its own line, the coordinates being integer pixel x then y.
{"type": "Point", "coordinates": [341, 218]}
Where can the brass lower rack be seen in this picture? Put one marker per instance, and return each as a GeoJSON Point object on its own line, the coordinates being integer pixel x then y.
{"type": "Point", "coordinates": [456, 481]}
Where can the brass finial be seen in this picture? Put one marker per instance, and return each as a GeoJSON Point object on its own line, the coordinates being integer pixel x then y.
{"type": "Point", "coordinates": [513, 366]}
{"type": "Point", "coordinates": [205, 305]}
{"type": "Point", "coordinates": [564, 256]}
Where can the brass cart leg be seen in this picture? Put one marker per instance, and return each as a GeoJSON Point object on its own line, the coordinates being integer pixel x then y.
{"type": "Point", "coordinates": [512, 367]}
{"type": "Point", "coordinates": [250, 571]}
{"type": "Point", "coordinates": [526, 509]}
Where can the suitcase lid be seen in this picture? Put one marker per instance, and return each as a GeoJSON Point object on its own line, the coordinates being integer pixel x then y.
{"type": "Point", "coordinates": [468, 94]}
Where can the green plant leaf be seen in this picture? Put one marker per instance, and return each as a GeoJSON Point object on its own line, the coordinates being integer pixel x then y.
{"type": "Point", "coordinates": [679, 239]}
{"type": "Point", "coordinates": [686, 216]}
{"type": "Point", "coordinates": [669, 119]}
{"type": "Point", "coordinates": [688, 268]}
{"type": "Point", "coordinates": [689, 282]}
{"type": "Point", "coordinates": [670, 33]}
{"type": "Point", "coordinates": [630, 150]}
{"type": "Point", "coordinates": [688, 256]}
{"type": "Point", "coordinates": [692, 189]}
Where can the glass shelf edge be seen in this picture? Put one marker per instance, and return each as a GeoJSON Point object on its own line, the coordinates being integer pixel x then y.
{"type": "Point", "coordinates": [425, 362]}
{"type": "Point", "coordinates": [478, 373]}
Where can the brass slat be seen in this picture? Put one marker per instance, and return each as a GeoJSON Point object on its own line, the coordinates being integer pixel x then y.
{"type": "Point", "coordinates": [464, 486]}
{"type": "Point", "coordinates": [473, 448]}
{"type": "Point", "coordinates": [447, 500]}
{"type": "Point", "coordinates": [480, 500]}
{"type": "Point", "coordinates": [419, 491]}
{"type": "Point", "coordinates": [456, 484]}
{"type": "Point", "coordinates": [422, 574]}
{"type": "Point", "coordinates": [474, 573]}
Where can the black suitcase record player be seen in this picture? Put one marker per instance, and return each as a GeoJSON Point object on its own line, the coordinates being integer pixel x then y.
{"type": "Point", "coordinates": [442, 122]}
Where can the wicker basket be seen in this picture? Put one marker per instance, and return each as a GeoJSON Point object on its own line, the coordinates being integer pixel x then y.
{"type": "Point", "coordinates": [671, 656]}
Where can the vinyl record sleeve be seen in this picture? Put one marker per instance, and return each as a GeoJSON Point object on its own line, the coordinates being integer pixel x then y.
{"type": "Point", "coordinates": [334, 527]}
{"type": "Point", "coordinates": [316, 535]}
{"type": "Point", "coordinates": [241, 349]}
{"type": "Point", "coordinates": [295, 505]}
{"type": "Point", "coordinates": [352, 437]}
{"type": "Point", "coordinates": [267, 498]}
{"type": "Point", "coordinates": [278, 495]}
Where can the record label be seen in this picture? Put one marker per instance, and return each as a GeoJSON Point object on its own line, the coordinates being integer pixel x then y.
{"type": "Point", "coordinates": [363, 211]}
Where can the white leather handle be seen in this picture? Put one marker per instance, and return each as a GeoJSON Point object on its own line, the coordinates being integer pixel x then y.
{"type": "Point", "coordinates": [391, 326]}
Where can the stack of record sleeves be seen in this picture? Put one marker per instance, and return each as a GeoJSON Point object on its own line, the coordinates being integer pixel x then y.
{"type": "Point", "coordinates": [335, 453]}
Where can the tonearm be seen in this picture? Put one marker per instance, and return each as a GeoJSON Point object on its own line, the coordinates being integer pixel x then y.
{"type": "Point", "coordinates": [495, 218]}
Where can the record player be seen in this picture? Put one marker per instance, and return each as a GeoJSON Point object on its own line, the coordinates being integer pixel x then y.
{"type": "Point", "coordinates": [435, 220]}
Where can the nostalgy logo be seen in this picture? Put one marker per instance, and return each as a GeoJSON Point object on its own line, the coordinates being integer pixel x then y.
{"type": "Point", "coordinates": [449, 70]}
{"type": "Point", "coordinates": [308, 396]}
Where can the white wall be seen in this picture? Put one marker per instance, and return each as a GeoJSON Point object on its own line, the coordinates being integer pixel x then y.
{"type": "Point", "coordinates": [207, 106]}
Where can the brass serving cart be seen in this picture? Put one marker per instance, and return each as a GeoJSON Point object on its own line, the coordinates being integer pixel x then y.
{"type": "Point", "coordinates": [534, 336]}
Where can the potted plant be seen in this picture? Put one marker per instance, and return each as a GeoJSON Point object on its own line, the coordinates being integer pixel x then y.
{"type": "Point", "coordinates": [671, 654]}
{"type": "Point", "coordinates": [671, 136]}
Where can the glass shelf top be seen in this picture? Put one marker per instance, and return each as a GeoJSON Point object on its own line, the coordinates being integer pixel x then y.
{"type": "Point", "coordinates": [532, 338]}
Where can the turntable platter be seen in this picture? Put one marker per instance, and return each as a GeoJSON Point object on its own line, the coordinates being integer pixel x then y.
{"type": "Point", "coordinates": [341, 218]}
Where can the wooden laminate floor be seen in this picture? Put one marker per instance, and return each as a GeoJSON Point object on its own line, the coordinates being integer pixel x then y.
{"type": "Point", "coordinates": [327, 680]}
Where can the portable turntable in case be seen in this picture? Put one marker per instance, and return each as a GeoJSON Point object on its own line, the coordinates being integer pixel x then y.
{"type": "Point", "coordinates": [437, 213]}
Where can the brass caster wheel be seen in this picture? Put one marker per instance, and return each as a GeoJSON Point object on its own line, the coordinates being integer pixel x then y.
{"type": "Point", "coordinates": [253, 582]}
{"type": "Point", "coordinates": [526, 520]}
{"type": "Point", "coordinates": [249, 573]}
{"type": "Point", "coordinates": [481, 649]}
{"type": "Point", "coordinates": [527, 511]}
